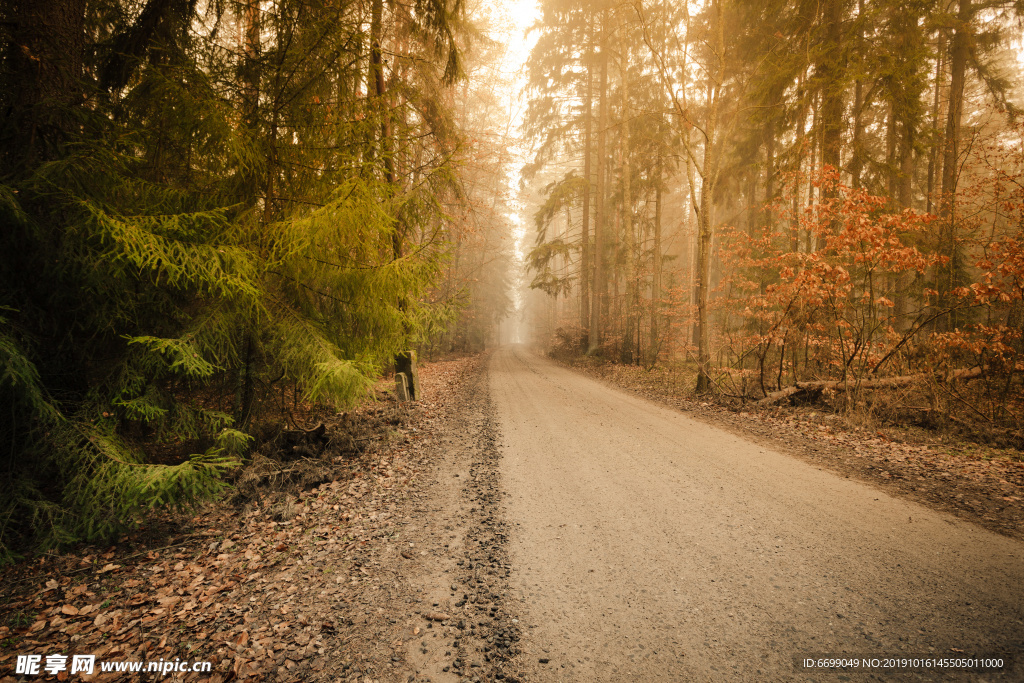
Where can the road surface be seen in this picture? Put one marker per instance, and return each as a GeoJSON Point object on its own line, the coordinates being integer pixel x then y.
{"type": "Point", "coordinates": [649, 546]}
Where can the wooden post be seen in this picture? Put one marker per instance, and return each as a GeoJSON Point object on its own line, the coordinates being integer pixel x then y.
{"type": "Point", "coordinates": [405, 364]}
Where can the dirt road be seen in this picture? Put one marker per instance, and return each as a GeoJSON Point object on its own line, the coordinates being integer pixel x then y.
{"type": "Point", "coordinates": [647, 546]}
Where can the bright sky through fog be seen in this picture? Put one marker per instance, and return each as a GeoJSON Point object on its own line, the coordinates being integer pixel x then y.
{"type": "Point", "coordinates": [510, 20]}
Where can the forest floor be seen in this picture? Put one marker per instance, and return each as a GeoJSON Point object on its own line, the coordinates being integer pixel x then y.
{"type": "Point", "coordinates": [944, 471]}
{"type": "Point", "coordinates": [334, 575]}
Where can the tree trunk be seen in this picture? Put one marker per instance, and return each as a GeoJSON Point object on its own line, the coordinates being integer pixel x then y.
{"type": "Point", "coordinates": [891, 171]}
{"type": "Point", "coordinates": [857, 160]}
{"type": "Point", "coordinates": [933, 160]}
{"type": "Point", "coordinates": [655, 341]}
{"type": "Point", "coordinates": [801, 143]}
{"type": "Point", "coordinates": [958, 54]}
{"type": "Point", "coordinates": [585, 265]}
{"type": "Point", "coordinates": [43, 80]}
{"type": "Point", "coordinates": [768, 219]}
{"type": "Point", "coordinates": [629, 239]}
{"type": "Point", "coordinates": [832, 90]}
{"type": "Point", "coordinates": [704, 217]}
{"type": "Point", "coordinates": [598, 291]}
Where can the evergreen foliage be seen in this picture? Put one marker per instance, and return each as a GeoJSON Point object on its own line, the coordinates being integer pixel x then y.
{"type": "Point", "coordinates": [203, 207]}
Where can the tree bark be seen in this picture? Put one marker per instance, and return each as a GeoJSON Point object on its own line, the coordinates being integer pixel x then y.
{"type": "Point", "coordinates": [42, 81]}
{"type": "Point", "coordinates": [629, 239]}
{"type": "Point", "coordinates": [832, 90]}
{"type": "Point", "coordinates": [709, 175]}
{"type": "Point", "coordinates": [933, 160]}
{"type": "Point", "coordinates": [655, 341]}
{"type": "Point", "coordinates": [585, 265]}
{"type": "Point", "coordinates": [857, 159]}
{"type": "Point", "coordinates": [598, 291]}
{"type": "Point", "coordinates": [958, 55]}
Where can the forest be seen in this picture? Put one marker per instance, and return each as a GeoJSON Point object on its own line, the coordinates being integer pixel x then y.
{"type": "Point", "coordinates": [816, 201]}
{"type": "Point", "coordinates": [214, 212]}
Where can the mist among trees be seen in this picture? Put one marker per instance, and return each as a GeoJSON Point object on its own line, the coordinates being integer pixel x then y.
{"type": "Point", "coordinates": [786, 199]}
{"type": "Point", "coordinates": [213, 212]}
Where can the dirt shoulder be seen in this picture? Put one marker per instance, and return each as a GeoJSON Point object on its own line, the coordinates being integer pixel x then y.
{"type": "Point", "coordinates": [383, 561]}
{"type": "Point", "coordinates": [977, 483]}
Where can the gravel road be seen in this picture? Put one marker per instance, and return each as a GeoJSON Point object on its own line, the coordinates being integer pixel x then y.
{"type": "Point", "coordinates": [648, 546]}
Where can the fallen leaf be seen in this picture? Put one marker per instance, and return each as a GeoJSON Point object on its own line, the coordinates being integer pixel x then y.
{"type": "Point", "coordinates": [436, 616]}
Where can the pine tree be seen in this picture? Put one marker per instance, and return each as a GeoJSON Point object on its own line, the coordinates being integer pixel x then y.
{"type": "Point", "coordinates": [184, 218]}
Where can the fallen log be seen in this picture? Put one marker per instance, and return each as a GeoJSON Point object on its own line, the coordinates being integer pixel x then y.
{"type": "Point", "coordinates": [878, 383]}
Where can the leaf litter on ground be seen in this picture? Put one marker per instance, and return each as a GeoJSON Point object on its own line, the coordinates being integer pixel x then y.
{"type": "Point", "coordinates": [253, 584]}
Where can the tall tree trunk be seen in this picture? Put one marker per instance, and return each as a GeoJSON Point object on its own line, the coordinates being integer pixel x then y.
{"type": "Point", "coordinates": [404, 360]}
{"type": "Point", "coordinates": [598, 291]}
{"type": "Point", "coordinates": [705, 223]}
{"type": "Point", "coordinates": [768, 218]}
{"type": "Point", "coordinates": [586, 248]}
{"type": "Point", "coordinates": [832, 89]}
{"type": "Point", "coordinates": [891, 170]}
{"type": "Point", "coordinates": [933, 152]}
{"type": "Point", "coordinates": [801, 144]}
{"type": "Point", "coordinates": [43, 80]}
{"type": "Point", "coordinates": [629, 239]}
{"type": "Point", "coordinates": [958, 54]}
{"type": "Point", "coordinates": [692, 237]}
{"type": "Point", "coordinates": [655, 341]}
{"type": "Point", "coordinates": [808, 237]}
{"type": "Point", "coordinates": [907, 167]}
{"type": "Point", "coordinates": [857, 160]}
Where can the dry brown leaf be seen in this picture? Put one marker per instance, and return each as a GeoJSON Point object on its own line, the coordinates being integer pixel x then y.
{"type": "Point", "coordinates": [436, 616]}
